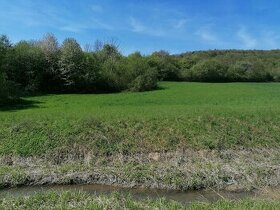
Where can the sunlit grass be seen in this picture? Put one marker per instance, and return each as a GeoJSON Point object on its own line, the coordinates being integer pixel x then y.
{"type": "Point", "coordinates": [177, 115]}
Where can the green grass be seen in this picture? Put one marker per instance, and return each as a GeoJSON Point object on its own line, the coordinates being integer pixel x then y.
{"type": "Point", "coordinates": [79, 200]}
{"type": "Point", "coordinates": [177, 116]}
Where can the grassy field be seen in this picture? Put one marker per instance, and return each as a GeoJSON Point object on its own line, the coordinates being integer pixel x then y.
{"type": "Point", "coordinates": [67, 200]}
{"type": "Point", "coordinates": [177, 116]}
{"type": "Point", "coordinates": [181, 136]}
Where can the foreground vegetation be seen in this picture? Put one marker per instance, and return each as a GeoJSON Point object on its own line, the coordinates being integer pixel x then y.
{"type": "Point", "coordinates": [67, 200]}
{"type": "Point", "coordinates": [232, 170]}
{"type": "Point", "coordinates": [181, 136]}
{"type": "Point", "coordinates": [178, 116]}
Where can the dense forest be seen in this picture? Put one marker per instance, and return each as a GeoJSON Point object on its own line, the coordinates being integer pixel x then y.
{"type": "Point", "coordinates": [45, 66]}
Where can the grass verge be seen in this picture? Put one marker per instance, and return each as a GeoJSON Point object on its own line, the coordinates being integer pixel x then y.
{"type": "Point", "coordinates": [67, 200]}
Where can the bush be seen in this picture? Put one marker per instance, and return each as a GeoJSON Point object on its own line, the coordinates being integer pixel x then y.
{"type": "Point", "coordinates": [248, 71]}
{"type": "Point", "coordinates": [9, 91]}
{"type": "Point", "coordinates": [91, 73]}
{"type": "Point", "coordinates": [142, 76]}
{"type": "Point", "coordinates": [186, 64]}
{"type": "Point", "coordinates": [3, 92]}
{"type": "Point", "coordinates": [131, 73]}
{"type": "Point", "coordinates": [144, 82]}
{"type": "Point", "coordinates": [275, 74]}
{"type": "Point", "coordinates": [111, 70]}
{"type": "Point", "coordinates": [7, 88]}
{"type": "Point", "coordinates": [166, 66]}
{"type": "Point", "coordinates": [209, 71]}
{"type": "Point", "coordinates": [25, 67]}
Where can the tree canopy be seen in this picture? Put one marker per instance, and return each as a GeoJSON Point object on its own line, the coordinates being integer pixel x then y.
{"type": "Point", "coordinates": [45, 66]}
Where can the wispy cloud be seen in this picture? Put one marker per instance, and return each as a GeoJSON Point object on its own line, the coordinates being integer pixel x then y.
{"type": "Point", "coordinates": [79, 27]}
{"type": "Point", "coordinates": [160, 24]}
{"type": "Point", "coordinates": [139, 27]}
{"type": "Point", "coordinates": [248, 41]}
{"type": "Point", "coordinates": [206, 34]}
{"type": "Point", "coordinates": [271, 40]}
{"type": "Point", "coordinates": [73, 29]}
{"type": "Point", "coordinates": [49, 16]}
{"type": "Point", "coordinates": [180, 24]}
{"type": "Point", "coordinates": [159, 20]}
{"type": "Point", "coordinates": [136, 25]}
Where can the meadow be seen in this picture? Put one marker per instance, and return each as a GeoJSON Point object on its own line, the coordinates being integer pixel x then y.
{"type": "Point", "coordinates": [176, 116]}
{"type": "Point", "coordinates": [181, 136]}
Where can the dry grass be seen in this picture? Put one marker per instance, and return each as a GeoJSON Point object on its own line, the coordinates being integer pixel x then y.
{"type": "Point", "coordinates": [227, 169]}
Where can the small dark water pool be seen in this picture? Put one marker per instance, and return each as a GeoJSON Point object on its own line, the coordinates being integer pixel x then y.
{"type": "Point", "coordinates": [137, 193]}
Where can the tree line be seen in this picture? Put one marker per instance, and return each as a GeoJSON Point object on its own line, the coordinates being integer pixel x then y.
{"type": "Point", "coordinates": [45, 66]}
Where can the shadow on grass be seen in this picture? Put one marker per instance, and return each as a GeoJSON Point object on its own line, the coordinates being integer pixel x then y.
{"type": "Point", "coordinates": [160, 88]}
{"type": "Point", "coordinates": [107, 92]}
{"type": "Point", "coordinates": [19, 105]}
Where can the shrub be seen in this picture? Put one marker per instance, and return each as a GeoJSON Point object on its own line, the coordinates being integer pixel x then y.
{"type": "Point", "coordinates": [142, 76]}
{"type": "Point", "coordinates": [209, 71]}
{"type": "Point", "coordinates": [25, 65]}
{"type": "Point", "coordinates": [166, 66]}
{"type": "Point", "coordinates": [248, 71]}
{"type": "Point", "coordinates": [9, 91]}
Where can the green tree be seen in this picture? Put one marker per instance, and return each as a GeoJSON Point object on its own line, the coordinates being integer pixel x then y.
{"type": "Point", "coordinates": [26, 65]}
{"type": "Point", "coordinates": [142, 77]}
{"type": "Point", "coordinates": [185, 64]}
{"type": "Point", "coordinates": [111, 67]}
{"type": "Point", "coordinates": [248, 71]}
{"type": "Point", "coordinates": [91, 72]}
{"type": "Point", "coordinates": [209, 71]}
{"type": "Point", "coordinates": [166, 65]}
{"type": "Point", "coordinates": [4, 45]}
{"type": "Point", "coordinates": [70, 64]}
{"type": "Point", "coordinates": [50, 47]}
{"type": "Point", "coordinates": [3, 93]}
{"type": "Point", "coordinates": [8, 89]}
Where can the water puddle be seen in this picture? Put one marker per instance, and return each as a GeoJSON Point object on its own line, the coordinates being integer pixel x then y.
{"type": "Point", "coordinates": [137, 193]}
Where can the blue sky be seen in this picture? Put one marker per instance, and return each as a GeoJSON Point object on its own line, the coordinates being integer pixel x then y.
{"type": "Point", "coordinates": [148, 25]}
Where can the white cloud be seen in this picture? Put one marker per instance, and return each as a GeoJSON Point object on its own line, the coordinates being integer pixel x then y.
{"type": "Point", "coordinates": [180, 24]}
{"type": "Point", "coordinates": [207, 35]}
{"type": "Point", "coordinates": [248, 41]}
{"type": "Point", "coordinates": [78, 27]}
{"type": "Point", "coordinates": [71, 29]}
{"type": "Point", "coordinates": [139, 27]}
{"type": "Point", "coordinates": [26, 14]}
{"type": "Point", "coordinates": [136, 25]}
